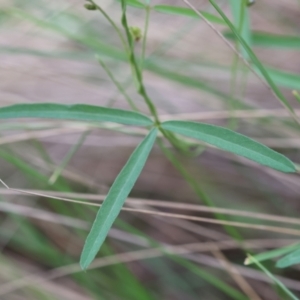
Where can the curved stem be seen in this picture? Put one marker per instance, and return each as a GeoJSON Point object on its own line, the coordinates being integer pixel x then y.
{"type": "Point", "coordinates": [118, 85]}
{"type": "Point", "coordinates": [114, 25]}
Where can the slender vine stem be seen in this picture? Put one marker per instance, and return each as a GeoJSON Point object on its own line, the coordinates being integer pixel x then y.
{"type": "Point", "coordinates": [117, 84]}
{"type": "Point", "coordinates": [141, 88]}
{"type": "Point", "coordinates": [58, 171]}
{"type": "Point", "coordinates": [184, 147]}
{"type": "Point", "coordinates": [232, 122]}
{"type": "Point", "coordinates": [114, 25]}
{"type": "Point", "coordinates": [197, 189]}
{"type": "Point", "coordinates": [148, 10]}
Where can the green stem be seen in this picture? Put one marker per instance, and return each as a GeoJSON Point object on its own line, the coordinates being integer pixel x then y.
{"type": "Point", "coordinates": [57, 172]}
{"type": "Point", "coordinates": [174, 141]}
{"type": "Point", "coordinates": [232, 124]}
{"type": "Point", "coordinates": [114, 25]}
{"type": "Point", "coordinates": [118, 85]}
{"type": "Point", "coordinates": [148, 10]}
{"type": "Point", "coordinates": [195, 186]}
{"type": "Point", "coordinates": [141, 88]}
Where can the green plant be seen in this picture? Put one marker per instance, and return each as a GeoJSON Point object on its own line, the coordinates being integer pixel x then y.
{"type": "Point", "coordinates": [214, 135]}
{"type": "Point", "coordinates": [189, 140]}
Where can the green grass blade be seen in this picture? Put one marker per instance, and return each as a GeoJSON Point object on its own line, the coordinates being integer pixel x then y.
{"type": "Point", "coordinates": [233, 142]}
{"type": "Point", "coordinates": [289, 260]}
{"type": "Point", "coordinates": [78, 112]}
{"type": "Point", "coordinates": [271, 254]}
{"type": "Point", "coordinates": [90, 41]}
{"type": "Point", "coordinates": [187, 12]}
{"type": "Point", "coordinates": [269, 40]}
{"type": "Point", "coordinates": [281, 78]}
{"type": "Point", "coordinates": [242, 21]}
{"type": "Point", "coordinates": [189, 81]}
{"type": "Point", "coordinates": [285, 79]}
{"type": "Point", "coordinates": [194, 268]}
{"type": "Point", "coordinates": [73, 149]}
{"type": "Point", "coordinates": [115, 199]}
{"type": "Point", "coordinates": [198, 189]}
{"type": "Point", "coordinates": [211, 278]}
{"type": "Point", "coordinates": [276, 281]}
{"type": "Point", "coordinates": [129, 285]}
{"type": "Point", "coordinates": [259, 67]}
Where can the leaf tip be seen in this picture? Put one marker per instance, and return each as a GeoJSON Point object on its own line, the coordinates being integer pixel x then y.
{"type": "Point", "coordinates": [247, 261]}
{"type": "Point", "coordinates": [291, 168]}
{"type": "Point", "coordinates": [85, 258]}
{"type": "Point", "coordinates": [84, 263]}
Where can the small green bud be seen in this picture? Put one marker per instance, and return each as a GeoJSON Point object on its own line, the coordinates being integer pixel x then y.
{"type": "Point", "coordinates": [90, 6]}
{"type": "Point", "coordinates": [250, 2]}
{"type": "Point", "coordinates": [136, 33]}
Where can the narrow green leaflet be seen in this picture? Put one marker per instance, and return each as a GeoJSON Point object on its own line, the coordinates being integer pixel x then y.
{"type": "Point", "coordinates": [233, 142]}
{"type": "Point", "coordinates": [115, 199]}
{"type": "Point", "coordinates": [271, 254]}
{"type": "Point", "coordinates": [289, 260]}
{"type": "Point", "coordinates": [184, 11]}
{"type": "Point", "coordinates": [78, 112]}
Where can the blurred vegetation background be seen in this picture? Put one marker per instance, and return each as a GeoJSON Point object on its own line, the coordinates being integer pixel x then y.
{"type": "Point", "coordinates": [49, 53]}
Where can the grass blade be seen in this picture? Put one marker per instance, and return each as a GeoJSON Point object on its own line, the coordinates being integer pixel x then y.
{"type": "Point", "coordinates": [115, 199]}
{"type": "Point", "coordinates": [78, 112]}
{"type": "Point", "coordinates": [74, 148]}
{"type": "Point", "coordinates": [285, 79]}
{"type": "Point", "coordinates": [210, 278]}
{"type": "Point", "coordinates": [258, 65]}
{"type": "Point", "coordinates": [90, 41]}
{"type": "Point", "coordinates": [233, 142]}
{"type": "Point", "coordinates": [271, 254]}
{"type": "Point", "coordinates": [276, 281]}
{"type": "Point", "coordinates": [188, 81]}
{"type": "Point", "coordinates": [187, 12]}
{"type": "Point", "coordinates": [269, 40]}
{"type": "Point", "coordinates": [242, 21]}
{"type": "Point", "coordinates": [289, 260]}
